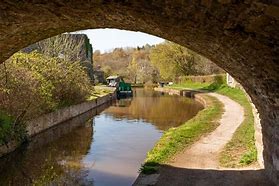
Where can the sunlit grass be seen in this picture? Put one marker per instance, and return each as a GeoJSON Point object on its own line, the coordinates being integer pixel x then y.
{"type": "Point", "coordinates": [241, 150]}
{"type": "Point", "coordinates": [99, 91]}
{"type": "Point", "coordinates": [176, 139]}
{"type": "Point", "coordinates": [190, 85]}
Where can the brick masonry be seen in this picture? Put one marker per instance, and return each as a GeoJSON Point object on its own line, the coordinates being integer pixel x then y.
{"type": "Point", "coordinates": [239, 36]}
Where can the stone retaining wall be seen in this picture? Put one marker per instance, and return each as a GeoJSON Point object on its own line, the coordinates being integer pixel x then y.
{"type": "Point", "coordinates": [52, 119]}
{"type": "Point", "coordinates": [49, 120]}
{"type": "Point", "coordinates": [187, 93]}
{"type": "Point", "coordinates": [258, 134]}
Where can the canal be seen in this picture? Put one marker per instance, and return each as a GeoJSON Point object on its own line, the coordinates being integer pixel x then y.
{"type": "Point", "coordinates": [105, 146]}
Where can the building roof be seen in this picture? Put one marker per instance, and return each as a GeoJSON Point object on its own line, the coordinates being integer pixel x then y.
{"type": "Point", "coordinates": [113, 77]}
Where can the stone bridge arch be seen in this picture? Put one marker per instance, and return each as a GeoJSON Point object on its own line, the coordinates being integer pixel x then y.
{"type": "Point", "coordinates": [241, 36]}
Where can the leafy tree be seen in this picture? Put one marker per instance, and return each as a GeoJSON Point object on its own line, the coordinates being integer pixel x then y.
{"type": "Point", "coordinates": [173, 60]}
{"type": "Point", "coordinates": [167, 61]}
{"type": "Point", "coordinates": [107, 70]}
{"type": "Point", "coordinates": [133, 70]}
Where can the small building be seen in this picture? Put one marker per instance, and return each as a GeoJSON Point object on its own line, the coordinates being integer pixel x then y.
{"type": "Point", "coordinates": [113, 81]}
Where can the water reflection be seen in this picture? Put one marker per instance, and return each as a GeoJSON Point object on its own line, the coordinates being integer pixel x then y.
{"type": "Point", "coordinates": [98, 148]}
{"type": "Point", "coordinates": [162, 110]}
{"type": "Point", "coordinates": [52, 157]}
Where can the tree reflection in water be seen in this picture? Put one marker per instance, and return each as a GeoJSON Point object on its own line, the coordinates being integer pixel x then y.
{"type": "Point", "coordinates": [52, 157]}
{"type": "Point", "coordinates": [123, 133]}
{"type": "Point", "coordinates": [162, 110]}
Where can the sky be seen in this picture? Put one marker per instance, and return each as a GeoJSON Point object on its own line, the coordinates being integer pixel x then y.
{"type": "Point", "coordinates": [107, 39]}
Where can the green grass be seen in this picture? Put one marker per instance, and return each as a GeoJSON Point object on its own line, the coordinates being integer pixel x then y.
{"type": "Point", "coordinates": [176, 139]}
{"type": "Point", "coordinates": [190, 85]}
{"type": "Point", "coordinates": [241, 150]}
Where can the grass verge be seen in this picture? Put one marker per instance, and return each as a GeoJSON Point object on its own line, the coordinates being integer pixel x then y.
{"type": "Point", "coordinates": [240, 151]}
{"type": "Point", "coordinates": [176, 139]}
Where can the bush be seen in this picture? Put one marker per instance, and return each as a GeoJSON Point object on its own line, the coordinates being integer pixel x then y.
{"type": "Point", "coordinates": [35, 84]}
{"type": "Point", "coordinates": [21, 91]}
{"type": "Point", "coordinates": [10, 129]}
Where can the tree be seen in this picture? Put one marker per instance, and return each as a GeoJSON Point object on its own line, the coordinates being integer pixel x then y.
{"type": "Point", "coordinates": [37, 84]}
{"type": "Point", "coordinates": [120, 62]}
{"type": "Point", "coordinates": [107, 70]}
{"type": "Point", "coordinates": [133, 70]}
{"type": "Point", "coordinates": [173, 60]}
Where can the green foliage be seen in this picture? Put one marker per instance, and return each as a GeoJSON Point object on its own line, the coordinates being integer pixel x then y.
{"type": "Point", "coordinates": [176, 139]}
{"type": "Point", "coordinates": [149, 168]}
{"type": "Point", "coordinates": [174, 60]}
{"type": "Point", "coordinates": [22, 90]}
{"type": "Point", "coordinates": [210, 83]}
{"type": "Point", "coordinates": [131, 63]}
{"type": "Point", "coordinates": [164, 61]}
{"type": "Point", "coordinates": [5, 127]}
{"type": "Point", "coordinates": [132, 70]}
{"type": "Point", "coordinates": [249, 157]}
{"type": "Point", "coordinates": [34, 84]}
{"type": "Point", "coordinates": [10, 129]}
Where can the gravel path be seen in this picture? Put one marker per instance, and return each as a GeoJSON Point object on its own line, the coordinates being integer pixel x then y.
{"type": "Point", "coordinates": [198, 165]}
{"type": "Point", "coordinates": [204, 153]}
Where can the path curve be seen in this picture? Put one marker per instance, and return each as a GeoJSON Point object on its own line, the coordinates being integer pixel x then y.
{"type": "Point", "coordinates": [204, 153]}
{"type": "Point", "coordinates": [198, 164]}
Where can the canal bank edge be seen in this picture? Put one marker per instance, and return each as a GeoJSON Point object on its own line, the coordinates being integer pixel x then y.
{"type": "Point", "coordinates": [194, 94]}
{"type": "Point", "coordinates": [151, 179]}
{"type": "Point", "coordinates": [49, 120]}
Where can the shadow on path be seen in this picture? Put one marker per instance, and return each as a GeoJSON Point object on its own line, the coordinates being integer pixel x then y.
{"type": "Point", "coordinates": [207, 177]}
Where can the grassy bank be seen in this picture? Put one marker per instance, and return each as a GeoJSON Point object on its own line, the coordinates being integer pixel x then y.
{"type": "Point", "coordinates": [241, 150]}
{"type": "Point", "coordinates": [192, 85]}
{"type": "Point", "coordinates": [176, 139]}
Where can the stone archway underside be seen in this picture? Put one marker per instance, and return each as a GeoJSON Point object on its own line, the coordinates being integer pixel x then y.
{"type": "Point", "coordinates": [239, 36]}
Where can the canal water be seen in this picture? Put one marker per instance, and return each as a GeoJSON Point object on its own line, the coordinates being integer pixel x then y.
{"type": "Point", "coordinates": [103, 147]}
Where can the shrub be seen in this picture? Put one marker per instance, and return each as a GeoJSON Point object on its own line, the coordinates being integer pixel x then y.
{"type": "Point", "coordinates": [10, 129]}
{"type": "Point", "coordinates": [34, 84]}
{"type": "Point", "coordinates": [21, 91]}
